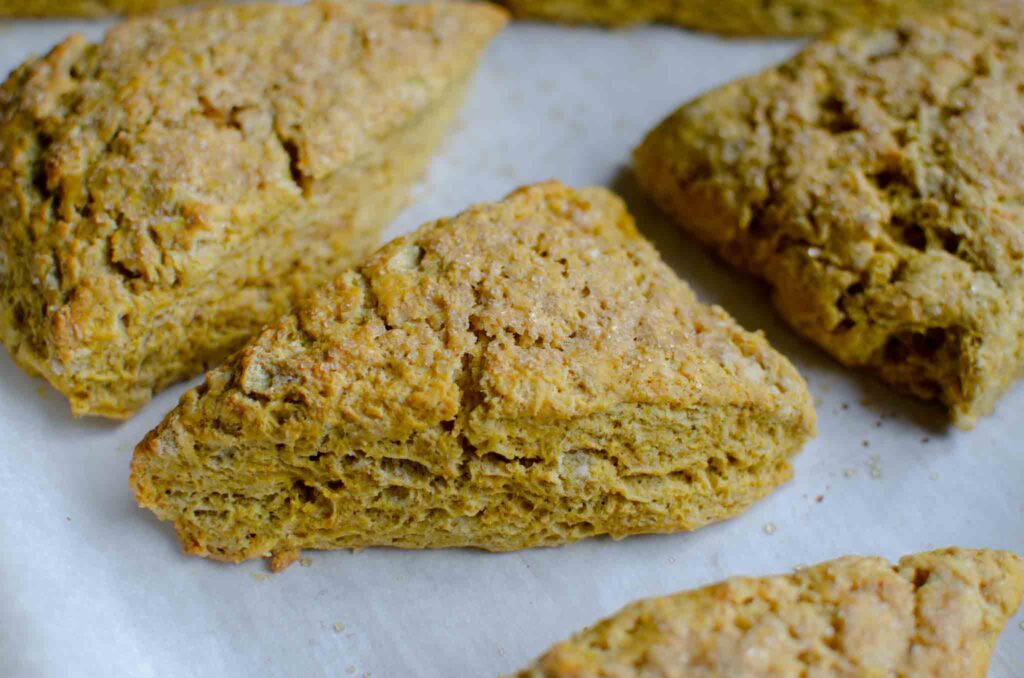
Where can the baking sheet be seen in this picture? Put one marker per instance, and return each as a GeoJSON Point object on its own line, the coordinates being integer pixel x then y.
{"type": "Point", "coordinates": [92, 586]}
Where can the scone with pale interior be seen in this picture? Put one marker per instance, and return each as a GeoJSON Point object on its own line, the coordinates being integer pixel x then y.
{"type": "Point", "coordinates": [84, 8]}
{"type": "Point", "coordinates": [935, 614]}
{"type": "Point", "coordinates": [166, 192]}
{"type": "Point", "coordinates": [735, 17]}
{"type": "Point", "coordinates": [875, 182]}
{"type": "Point", "coordinates": [526, 373]}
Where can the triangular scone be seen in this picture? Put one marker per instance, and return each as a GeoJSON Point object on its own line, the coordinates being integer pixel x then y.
{"type": "Point", "coordinates": [935, 614]}
{"type": "Point", "coordinates": [735, 17]}
{"type": "Point", "coordinates": [168, 191]}
{"type": "Point", "coordinates": [527, 373]}
{"type": "Point", "coordinates": [88, 8]}
{"type": "Point", "coordinates": [875, 181]}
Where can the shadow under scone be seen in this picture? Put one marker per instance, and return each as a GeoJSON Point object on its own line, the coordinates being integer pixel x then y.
{"type": "Point", "coordinates": [526, 373]}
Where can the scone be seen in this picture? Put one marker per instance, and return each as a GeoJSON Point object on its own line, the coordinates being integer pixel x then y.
{"type": "Point", "coordinates": [168, 191]}
{"type": "Point", "coordinates": [84, 8]}
{"type": "Point", "coordinates": [935, 614]}
{"type": "Point", "coordinates": [875, 181]}
{"type": "Point", "coordinates": [735, 17]}
{"type": "Point", "coordinates": [526, 373]}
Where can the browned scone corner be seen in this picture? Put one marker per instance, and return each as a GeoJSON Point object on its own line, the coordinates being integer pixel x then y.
{"type": "Point", "coordinates": [936, 614]}
{"type": "Point", "coordinates": [168, 191]}
{"type": "Point", "coordinates": [527, 373]}
{"type": "Point", "coordinates": [876, 182]}
{"type": "Point", "coordinates": [86, 8]}
{"type": "Point", "coordinates": [736, 17]}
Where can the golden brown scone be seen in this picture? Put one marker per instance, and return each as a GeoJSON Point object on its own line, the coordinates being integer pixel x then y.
{"type": "Point", "coordinates": [935, 614]}
{"type": "Point", "coordinates": [526, 373]}
{"type": "Point", "coordinates": [735, 17]}
{"type": "Point", "coordinates": [85, 8]}
{"type": "Point", "coordinates": [875, 181]}
{"type": "Point", "coordinates": [168, 191]}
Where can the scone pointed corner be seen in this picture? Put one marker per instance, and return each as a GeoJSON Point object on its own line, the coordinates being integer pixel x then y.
{"type": "Point", "coordinates": [526, 373]}
{"type": "Point", "coordinates": [146, 486]}
{"type": "Point", "coordinates": [997, 575]}
{"type": "Point", "coordinates": [933, 614]}
{"type": "Point", "coordinates": [170, 189]}
{"type": "Point", "coordinates": [878, 205]}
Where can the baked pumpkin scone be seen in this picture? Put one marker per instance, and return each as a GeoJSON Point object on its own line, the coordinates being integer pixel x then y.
{"type": "Point", "coordinates": [84, 8]}
{"type": "Point", "coordinates": [735, 17]}
{"type": "Point", "coordinates": [875, 181]}
{"type": "Point", "coordinates": [526, 373]}
{"type": "Point", "coordinates": [168, 191]}
{"type": "Point", "coordinates": [935, 614]}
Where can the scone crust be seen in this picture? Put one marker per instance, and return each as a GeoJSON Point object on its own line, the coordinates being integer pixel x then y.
{"type": "Point", "coordinates": [875, 182]}
{"type": "Point", "coordinates": [167, 191]}
{"type": "Point", "coordinates": [526, 373]}
{"type": "Point", "coordinates": [85, 8]}
{"type": "Point", "coordinates": [934, 614]}
{"type": "Point", "coordinates": [736, 17]}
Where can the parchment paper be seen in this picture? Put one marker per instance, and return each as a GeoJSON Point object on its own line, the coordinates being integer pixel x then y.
{"type": "Point", "coordinates": [90, 585]}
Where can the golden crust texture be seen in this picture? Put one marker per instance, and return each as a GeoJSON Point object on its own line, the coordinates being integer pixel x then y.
{"type": "Point", "coordinates": [84, 8]}
{"type": "Point", "coordinates": [526, 373]}
{"type": "Point", "coordinates": [877, 182]}
{"type": "Point", "coordinates": [935, 614]}
{"type": "Point", "coordinates": [735, 17]}
{"type": "Point", "coordinates": [166, 192]}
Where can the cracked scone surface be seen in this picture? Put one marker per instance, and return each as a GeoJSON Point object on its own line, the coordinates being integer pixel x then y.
{"type": "Point", "coordinates": [735, 17]}
{"type": "Point", "coordinates": [526, 373]}
{"type": "Point", "coordinates": [166, 192]}
{"type": "Point", "coordinates": [84, 8]}
{"type": "Point", "coordinates": [877, 182]}
{"type": "Point", "coordinates": [935, 614]}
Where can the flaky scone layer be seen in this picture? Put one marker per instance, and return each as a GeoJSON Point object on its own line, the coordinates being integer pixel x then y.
{"type": "Point", "coordinates": [526, 373]}
{"type": "Point", "coordinates": [934, 614]}
{"type": "Point", "coordinates": [875, 181]}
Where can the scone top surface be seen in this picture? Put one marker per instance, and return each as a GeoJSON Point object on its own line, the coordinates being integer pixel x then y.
{"type": "Point", "coordinates": [503, 343]}
{"type": "Point", "coordinates": [876, 182]}
{"type": "Point", "coordinates": [135, 168]}
{"type": "Point", "coordinates": [935, 614]}
{"type": "Point", "coordinates": [563, 306]}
